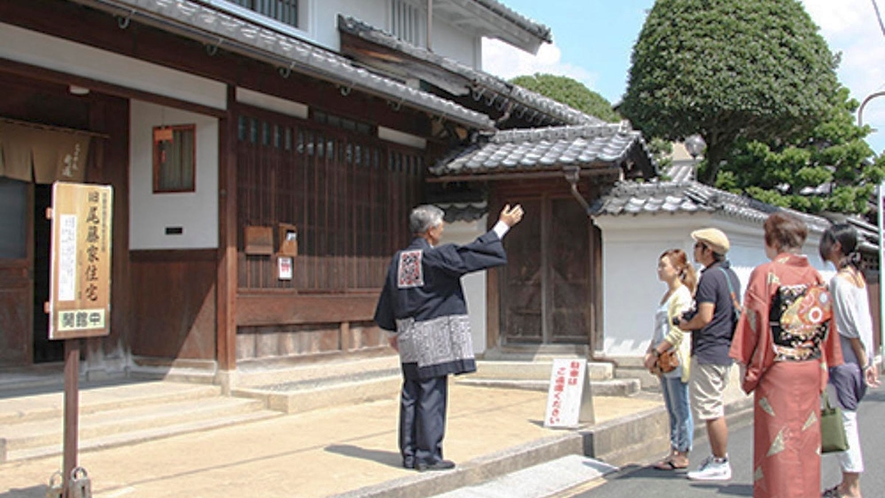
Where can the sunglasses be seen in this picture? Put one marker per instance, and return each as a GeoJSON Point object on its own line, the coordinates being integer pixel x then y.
{"type": "Point", "coordinates": [699, 245]}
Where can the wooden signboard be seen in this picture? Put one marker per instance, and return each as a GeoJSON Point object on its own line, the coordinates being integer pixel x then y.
{"type": "Point", "coordinates": [80, 271]}
{"type": "Point", "coordinates": [569, 402]}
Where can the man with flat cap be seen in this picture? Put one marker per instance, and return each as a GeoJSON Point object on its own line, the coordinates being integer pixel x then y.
{"type": "Point", "coordinates": [712, 328]}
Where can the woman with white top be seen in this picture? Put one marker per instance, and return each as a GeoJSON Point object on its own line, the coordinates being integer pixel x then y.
{"type": "Point", "coordinates": [681, 280]}
{"type": "Point", "coordinates": [848, 382]}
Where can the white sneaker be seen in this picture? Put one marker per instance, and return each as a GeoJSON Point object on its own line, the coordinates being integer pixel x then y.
{"type": "Point", "coordinates": [711, 470]}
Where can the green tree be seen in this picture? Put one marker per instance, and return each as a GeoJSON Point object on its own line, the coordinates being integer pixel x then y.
{"type": "Point", "coordinates": [570, 92]}
{"type": "Point", "coordinates": [729, 70]}
{"type": "Point", "coordinates": [827, 169]}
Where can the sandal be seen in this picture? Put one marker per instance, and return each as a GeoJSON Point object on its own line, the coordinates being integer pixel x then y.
{"type": "Point", "coordinates": [668, 465]}
{"type": "Point", "coordinates": [832, 493]}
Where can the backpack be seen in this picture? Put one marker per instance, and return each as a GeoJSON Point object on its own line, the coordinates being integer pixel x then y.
{"type": "Point", "coordinates": [736, 305]}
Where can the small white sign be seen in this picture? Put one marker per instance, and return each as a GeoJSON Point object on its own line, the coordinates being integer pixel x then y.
{"type": "Point", "coordinates": [284, 265]}
{"type": "Point", "coordinates": [569, 402]}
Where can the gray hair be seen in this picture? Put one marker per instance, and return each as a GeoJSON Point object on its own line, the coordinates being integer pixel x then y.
{"type": "Point", "coordinates": [424, 218]}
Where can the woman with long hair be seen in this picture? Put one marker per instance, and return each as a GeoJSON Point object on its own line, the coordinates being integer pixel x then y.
{"type": "Point", "coordinates": [849, 381]}
{"type": "Point", "coordinates": [681, 280]}
{"type": "Point", "coordinates": [784, 341]}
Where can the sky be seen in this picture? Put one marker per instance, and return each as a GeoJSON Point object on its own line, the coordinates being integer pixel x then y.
{"type": "Point", "coordinates": [593, 41]}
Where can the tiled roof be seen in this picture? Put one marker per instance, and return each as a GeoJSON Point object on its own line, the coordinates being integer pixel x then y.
{"type": "Point", "coordinates": [482, 85]}
{"type": "Point", "coordinates": [537, 29]}
{"type": "Point", "coordinates": [463, 211]}
{"type": "Point", "coordinates": [547, 148]}
{"type": "Point", "coordinates": [212, 25]}
{"type": "Point", "coordinates": [631, 198]}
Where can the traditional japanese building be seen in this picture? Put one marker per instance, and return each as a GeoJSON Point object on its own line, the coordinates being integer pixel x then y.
{"type": "Point", "coordinates": [263, 169]}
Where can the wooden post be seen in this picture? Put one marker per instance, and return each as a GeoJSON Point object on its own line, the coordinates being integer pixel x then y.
{"type": "Point", "coordinates": [72, 408]}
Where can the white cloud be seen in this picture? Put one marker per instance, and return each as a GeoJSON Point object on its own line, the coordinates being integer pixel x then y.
{"type": "Point", "coordinates": [851, 27]}
{"type": "Point", "coordinates": [505, 61]}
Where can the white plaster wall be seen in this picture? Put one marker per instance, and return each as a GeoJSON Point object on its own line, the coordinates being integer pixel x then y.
{"type": "Point", "coordinates": [196, 212]}
{"type": "Point", "coordinates": [448, 41]}
{"type": "Point", "coordinates": [631, 289]}
{"type": "Point", "coordinates": [41, 50]}
{"type": "Point", "coordinates": [475, 283]}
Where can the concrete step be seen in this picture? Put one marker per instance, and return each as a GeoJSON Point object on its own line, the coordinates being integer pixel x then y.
{"type": "Point", "coordinates": [259, 374]}
{"type": "Point", "coordinates": [533, 370]}
{"type": "Point", "coordinates": [143, 435]}
{"type": "Point", "coordinates": [545, 479]}
{"type": "Point", "coordinates": [106, 397]}
{"type": "Point", "coordinates": [33, 426]}
{"type": "Point", "coordinates": [613, 387]}
{"type": "Point", "coordinates": [304, 396]}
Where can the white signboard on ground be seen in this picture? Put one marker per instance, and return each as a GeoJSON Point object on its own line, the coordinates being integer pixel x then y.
{"type": "Point", "coordinates": [569, 402]}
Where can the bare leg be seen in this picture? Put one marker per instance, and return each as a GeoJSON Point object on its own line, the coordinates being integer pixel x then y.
{"type": "Point", "coordinates": [717, 430]}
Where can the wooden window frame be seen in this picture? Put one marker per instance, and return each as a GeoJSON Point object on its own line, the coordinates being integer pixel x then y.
{"type": "Point", "coordinates": [155, 159]}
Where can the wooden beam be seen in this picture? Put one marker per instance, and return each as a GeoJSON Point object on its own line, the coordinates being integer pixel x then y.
{"type": "Point", "coordinates": [291, 309]}
{"type": "Point", "coordinates": [226, 288]}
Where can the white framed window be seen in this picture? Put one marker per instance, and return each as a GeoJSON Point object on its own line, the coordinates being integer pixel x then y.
{"type": "Point", "coordinates": [284, 11]}
{"type": "Point", "coordinates": [408, 21]}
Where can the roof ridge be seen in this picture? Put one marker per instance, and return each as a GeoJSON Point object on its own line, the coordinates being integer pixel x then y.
{"type": "Point", "coordinates": [568, 132]}
{"type": "Point", "coordinates": [479, 77]}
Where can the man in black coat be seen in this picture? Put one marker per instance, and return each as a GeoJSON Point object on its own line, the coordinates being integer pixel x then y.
{"type": "Point", "coordinates": [423, 305]}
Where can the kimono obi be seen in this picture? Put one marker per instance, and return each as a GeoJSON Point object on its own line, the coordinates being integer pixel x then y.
{"type": "Point", "coordinates": [800, 320]}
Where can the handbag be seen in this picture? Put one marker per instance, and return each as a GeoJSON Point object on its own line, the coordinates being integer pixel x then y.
{"type": "Point", "coordinates": [667, 361]}
{"type": "Point", "coordinates": [832, 429]}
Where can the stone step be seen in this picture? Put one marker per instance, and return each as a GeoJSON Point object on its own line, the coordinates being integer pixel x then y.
{"type": "Point", "coordinates": [303, 396]}
{"type": "Point", "coordinates": [544, 479]}
{"type": "Point", "coordinates": [143, 435]}
{"type": "Point", "coordinates": [120, 420]}
{"type": "Point", "coordinates": [612, 387]}
{"type": "Point", "coordinates": [32, 426]}
{"type": "Point", "coordinates": [50, 405]}
{"type": "Point", "coordinates": [533, 370]}
{"type": "Point", "coordinates": [261, 374]}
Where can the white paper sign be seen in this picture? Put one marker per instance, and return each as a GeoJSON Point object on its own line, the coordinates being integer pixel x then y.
{"type": "Point", "coordinates": [569, 402]}
{"type": "Point", "coordinates": [284, 266]}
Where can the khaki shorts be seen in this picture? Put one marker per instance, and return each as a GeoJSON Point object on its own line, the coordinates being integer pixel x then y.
{"type": "Point", "coordinates": [708, 382]}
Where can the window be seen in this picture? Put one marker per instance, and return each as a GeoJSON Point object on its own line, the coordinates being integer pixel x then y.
{"type": "Point", "coordinates": [174, 158]}
{"type": "Point", "coordinates": [284, 11]}
{"type": "Point", "coordinates": [408, 22]}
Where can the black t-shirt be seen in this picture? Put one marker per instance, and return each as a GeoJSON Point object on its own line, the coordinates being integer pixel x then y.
{"type": "Point", "coordinates": [710, 344]}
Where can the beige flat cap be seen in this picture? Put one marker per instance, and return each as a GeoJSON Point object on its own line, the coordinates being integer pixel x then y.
{"type": "Point", "coordinates": [714, 238]}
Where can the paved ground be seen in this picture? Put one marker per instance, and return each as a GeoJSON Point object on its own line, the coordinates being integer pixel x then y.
{"type": "Point", "coordinates": [320, 453]}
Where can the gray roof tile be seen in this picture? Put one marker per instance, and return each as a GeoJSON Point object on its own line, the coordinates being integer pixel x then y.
{"type": "Point", "coordinates": [548, 106]}
{"type": "Point", "coordinates": [288, 51]}
{"type": "Point", "coordinates": [546, 148]}
{"type": "Point", "coordinates": [688, 197]}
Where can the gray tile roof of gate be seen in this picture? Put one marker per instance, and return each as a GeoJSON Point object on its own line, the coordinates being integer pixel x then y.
{"type": "Point", "coordinates": [287, 51]}
{"type": "Point", "coordinates": [566, 114]}
{"type": "Point", "coordinates": [544, 149]}
{"type": "Point", "coordinates": [632, 198]}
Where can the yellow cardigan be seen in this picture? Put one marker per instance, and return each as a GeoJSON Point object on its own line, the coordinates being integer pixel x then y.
{"type": "Point", "coordinates": [679, 303]}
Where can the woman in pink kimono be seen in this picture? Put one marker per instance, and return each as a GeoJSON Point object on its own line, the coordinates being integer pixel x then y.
{"type": "Point", "coordinates": [784, 342]}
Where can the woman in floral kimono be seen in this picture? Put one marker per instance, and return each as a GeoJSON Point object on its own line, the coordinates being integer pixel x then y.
{"type": "Point", "coordinates": [784, 342]}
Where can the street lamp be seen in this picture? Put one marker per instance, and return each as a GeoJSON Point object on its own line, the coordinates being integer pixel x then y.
{"type": "Point", "coordinates": [695, 145]}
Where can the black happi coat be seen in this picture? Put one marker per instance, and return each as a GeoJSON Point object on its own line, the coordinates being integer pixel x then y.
{"type": "Point", "coordinates": [423, 301]}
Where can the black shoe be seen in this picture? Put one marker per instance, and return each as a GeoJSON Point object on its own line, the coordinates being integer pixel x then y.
{"type": "Point", "coordinates": [440, 465]}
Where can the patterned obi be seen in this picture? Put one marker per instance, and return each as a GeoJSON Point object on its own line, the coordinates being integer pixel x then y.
{"type": "Point", "coordinates": [800, 320]}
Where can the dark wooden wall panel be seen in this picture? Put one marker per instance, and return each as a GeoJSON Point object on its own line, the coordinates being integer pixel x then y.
{"type": "Point", "coordinates": [173, 304]}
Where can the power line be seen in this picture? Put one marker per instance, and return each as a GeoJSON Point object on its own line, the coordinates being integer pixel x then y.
{"type": "Point", "coordinates": [878, 16]}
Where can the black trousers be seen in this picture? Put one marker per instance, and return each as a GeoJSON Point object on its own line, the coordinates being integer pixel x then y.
{"type": "Point", "coordinates": [422, 420]}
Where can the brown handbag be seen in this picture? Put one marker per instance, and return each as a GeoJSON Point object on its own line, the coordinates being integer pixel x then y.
{"type": "Point", "coordinates": [667, 361]}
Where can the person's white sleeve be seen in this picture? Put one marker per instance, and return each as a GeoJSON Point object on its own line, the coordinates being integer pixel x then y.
{"type": "Point", "coordinates": [500, 229]}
